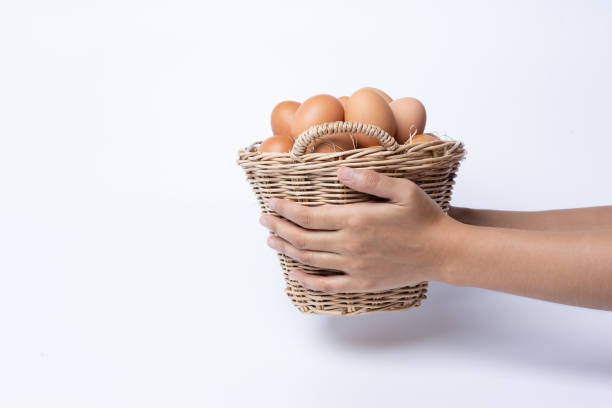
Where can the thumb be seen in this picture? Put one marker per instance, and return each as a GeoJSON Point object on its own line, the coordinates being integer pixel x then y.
{"type": "Point", "coordinates": [370, 182]}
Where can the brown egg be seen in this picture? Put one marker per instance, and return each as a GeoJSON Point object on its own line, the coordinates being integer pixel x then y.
{"type": "Point", "coordinates": [282, 117]}
{"type": "Point", "coordinates": [410, 116]}
{"type": "Point", "coordinates": [386, 97]}
{"type": "Point", "coordinates": [427, 137]}
{"type": "Point", "coordinates": [315, 111]}
{"type": "Point", "coordinates": [333, 143]}
{"type": "Point", "coordinates": [369, 107]}
{"type": "Point", "coordinates": [343, 100]}
{"type": "Point", "coordinates": [277, 144]}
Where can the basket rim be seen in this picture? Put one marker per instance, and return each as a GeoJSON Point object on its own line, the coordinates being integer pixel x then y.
{"type": "Point", "coordinates": [329, 128]}
{"type": "Point", "coordinates": [433, 152]}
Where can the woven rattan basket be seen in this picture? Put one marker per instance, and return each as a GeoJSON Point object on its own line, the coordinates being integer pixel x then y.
{"type": "Point", "coordinates": [310, 179]}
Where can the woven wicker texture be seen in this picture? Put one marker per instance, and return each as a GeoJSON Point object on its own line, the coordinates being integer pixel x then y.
{"type": "Point", "coordinates": [310, 179]}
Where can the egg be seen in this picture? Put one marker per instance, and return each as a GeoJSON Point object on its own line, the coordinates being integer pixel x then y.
{"type": "Point", "coordinates": [282, 117]}
{"type": "Point", "coordinates": [410, 117]}
{"type": "Point", "coordinates": [333, 143]}
{"type": "Point", "coordinates": [386, 97]}
{"type": "Point", "coordinates": [315, 111]}
{"type": "Point", "coordinates": [423, 138]}
{"type": "Point", "coordinates": [277, 144]}
{"type": "Point", "coordinates": [343, 100]}
{"type": "Point", "coordinates": [366, 106]}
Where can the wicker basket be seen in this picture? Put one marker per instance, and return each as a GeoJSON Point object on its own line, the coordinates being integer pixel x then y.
{"type": "Point", "coordinates": [310, 179]}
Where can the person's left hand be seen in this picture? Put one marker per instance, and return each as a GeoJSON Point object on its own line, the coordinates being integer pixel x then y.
{"type": "Point", "coordinates": [378, 246]}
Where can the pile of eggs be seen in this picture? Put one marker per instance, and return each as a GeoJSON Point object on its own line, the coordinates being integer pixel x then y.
{"type": "Point", "coordinates": [403, 118]}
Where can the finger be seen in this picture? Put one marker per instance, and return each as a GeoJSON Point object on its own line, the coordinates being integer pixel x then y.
{"type": "Point", "coordinates": [369, 181]}
{"type": "Point", "coordinates": [326, 217]}
{"type": "Point", "coordinates": [327, 284]}
{"type": "Point", "coordinates": [318, 259]}
{"type": "Point", "coordinates": [299, 237]}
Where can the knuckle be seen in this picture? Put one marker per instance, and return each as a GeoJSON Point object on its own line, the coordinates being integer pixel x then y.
{"type": "Point", "coordinates": [278, 207]}
{"type": "Point", "coordinates": [355, 221]}
{"type": "Point", "coordinates": [301, 242]}
{"type": "Point", "coordinates": [355, 247]}
{"type": "Point", "coordinates": [272, 223]}
{"type": "Point", "coordinates": [348, 248]}
{"type": "Point", "coordinates": [361, 244]}
{"type": "Point", "coordinates": [304, 218]}
{"type": "Point", "coordinates": [359, 266]}
{"type": "Point", "coordinates": [364, 285]}
{"type": "Point", "coordinates": [371, 179]}
{"type": "Point", "coordinates": [280, 246]}
{"type": "Point", "coordinates": [410, 188]}
{"type": "Point", "coordinates": [343, 287]}
{"type": "Point", "coordinates": [325, 286]}
{"type": "Point", "coordinates": [305, 258]}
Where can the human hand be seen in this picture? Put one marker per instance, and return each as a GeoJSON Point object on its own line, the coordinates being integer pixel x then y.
{"type": "Point", "coordinates": [378, 246]}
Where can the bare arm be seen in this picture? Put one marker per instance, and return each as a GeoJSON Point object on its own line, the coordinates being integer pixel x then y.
{"type": "Point", "coordinates": [565, 267]}
{"type": "Point", "coordinates": [408, 240]}
{"type": "Point", "coordinates": [576, 219]}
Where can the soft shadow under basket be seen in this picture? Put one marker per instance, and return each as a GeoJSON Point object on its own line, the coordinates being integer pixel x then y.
{"type": "Point", "coordinates": [310, 179]}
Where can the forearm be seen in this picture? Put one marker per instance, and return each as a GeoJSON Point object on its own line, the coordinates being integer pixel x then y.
{"type": "Point", "coordinates": [570, 268]}
{"type": "Point", "coordinates": [577, 219]}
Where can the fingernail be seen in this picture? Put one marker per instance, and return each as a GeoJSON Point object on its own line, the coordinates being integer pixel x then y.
{"type": "Point", "coordinates": [272, 242]}
{"type": "Point", "coordinates": [271, 203]}
{"type": "Point", "coordinates": [345, 173]}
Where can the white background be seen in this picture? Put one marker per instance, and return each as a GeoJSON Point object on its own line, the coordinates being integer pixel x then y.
{"type": "Point", "coordinates": [133, 271]}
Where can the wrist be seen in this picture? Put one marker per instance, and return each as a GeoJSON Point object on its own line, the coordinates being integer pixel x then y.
{"type": "Point", "coordinates": [456, 242]}
{"type": "Point", "coordinates": [463, 215]}
{"type": "Point", "coordinates": [458, 213]}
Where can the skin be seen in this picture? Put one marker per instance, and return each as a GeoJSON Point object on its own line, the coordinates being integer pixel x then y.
{"type": "Point", "coordinates": [563, 256]}
{"type": "Point", "coordinates": [571, 220]}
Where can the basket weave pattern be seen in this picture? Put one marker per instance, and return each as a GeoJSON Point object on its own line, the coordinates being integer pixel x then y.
{"type": "Point", "coordinates": [310, 179]}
